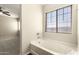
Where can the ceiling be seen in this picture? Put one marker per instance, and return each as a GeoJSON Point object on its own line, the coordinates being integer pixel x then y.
{"type": "Point", "coordinates": [12, 8]}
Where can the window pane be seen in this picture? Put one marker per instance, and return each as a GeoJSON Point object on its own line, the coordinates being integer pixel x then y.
{"type": "Point", "coordinates": [67, 9]}
{"type": "Point", "coordinates": [60, 18]}
{"type": "Point", "coordinates": [60, 11]}
{"type": "Point", "coordinates": [64, 20]}
{"type": "Point", "coordinates": [53, 13]}
{"type": "Point", "coordinates": [48, 15]}
{"type": "Point", "coordinates": [51, 22]}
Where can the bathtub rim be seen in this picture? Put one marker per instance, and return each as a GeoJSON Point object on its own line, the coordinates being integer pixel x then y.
{"type": "Point", "coordinates": [50, 51]}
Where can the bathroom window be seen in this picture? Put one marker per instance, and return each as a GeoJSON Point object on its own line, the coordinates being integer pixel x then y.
{"type": "Point", "coordinates": [59, 20]}
{"type": "Point", "coordinates": [51, 21]}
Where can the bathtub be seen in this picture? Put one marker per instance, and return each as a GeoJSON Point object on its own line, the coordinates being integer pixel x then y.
{"type": "Point", "coordinates": [51, 47]}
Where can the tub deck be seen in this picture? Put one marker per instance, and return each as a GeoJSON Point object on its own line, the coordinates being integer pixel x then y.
{"type": "Point", "coordinates": [43, 47]}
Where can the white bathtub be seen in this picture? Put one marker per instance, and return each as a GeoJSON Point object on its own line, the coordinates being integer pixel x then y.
{"type": "Point", "coordinates": [51, 47]}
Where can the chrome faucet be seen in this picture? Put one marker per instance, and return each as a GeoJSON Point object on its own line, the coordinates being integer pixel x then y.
{"type": "Point", "coordinates": [38, 35]}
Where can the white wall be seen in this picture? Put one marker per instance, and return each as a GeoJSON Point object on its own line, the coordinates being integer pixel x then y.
{"type": "Point", "coordinates": [69, 38]}
{"type": "Point", "coordinates": [78, 30]}
{"type": "Point", "coordinates": [31, 24]}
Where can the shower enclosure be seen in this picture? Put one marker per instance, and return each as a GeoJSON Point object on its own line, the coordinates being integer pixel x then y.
{"type": "Point", "coordinates": [9, 36]}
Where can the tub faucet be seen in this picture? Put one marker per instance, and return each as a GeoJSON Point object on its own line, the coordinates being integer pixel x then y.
{"type": "Point", "coordinates": [38, 35]}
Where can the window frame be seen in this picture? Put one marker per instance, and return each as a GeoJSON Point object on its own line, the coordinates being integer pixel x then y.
{"type": "Point", "coordinates": [57, 20]}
